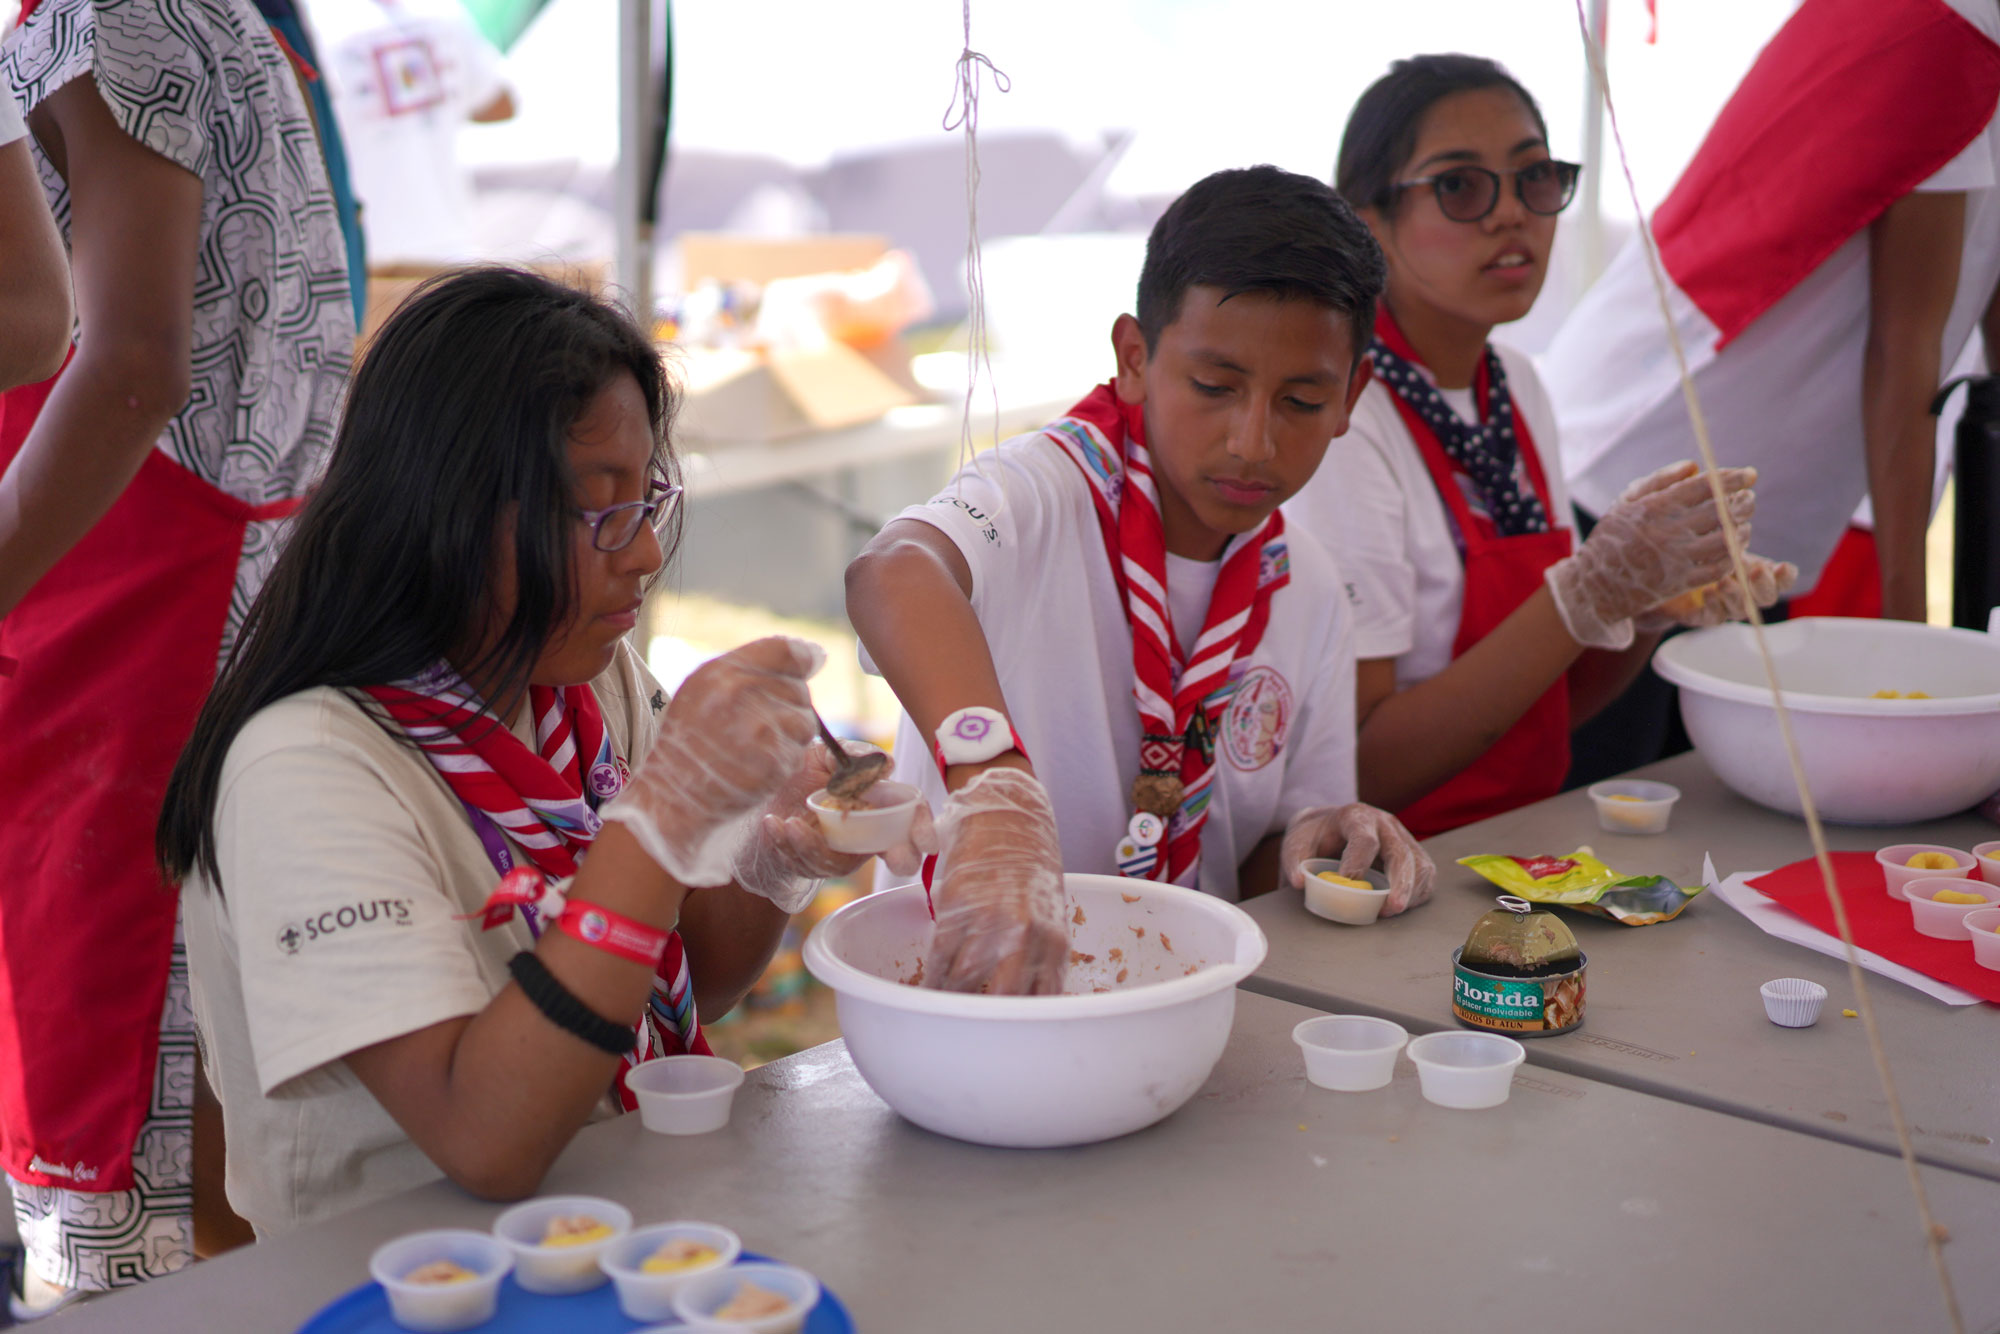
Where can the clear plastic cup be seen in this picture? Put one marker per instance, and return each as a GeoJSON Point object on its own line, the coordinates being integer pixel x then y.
{"type": "Point", "coordinates": [435, 1307]}
{"type": "Point", "coordinates": [877, 827]}
{"type": "Point", "coordinates": [1897, 871]}
{"type": "Point", "coordinates": [1343, 903]}
{"type": "Point", "coordinates": [1466, 1070]}
{"type": "Point", "coordinates": [1350, 1052]}
{"type": "Point", "coordinates": [1983, 925]}
{"type": "Point", "coordinates": [700, 1298]}
{"type": "Point", "coordinates": [558, 1269]}
{"type": "Point", "coordinates": [1792, 1002]}
{"type": "Point", "coordinates": [1988, 857]}
{"type": "Point", "coordinates": [1945, 921]}
{"type": "Point", "coordinates": [684, 1095]}
{"type": "Point", "coordinates": [644, 1296]}
{"type": "Point", "coordinates": [1633, 805]}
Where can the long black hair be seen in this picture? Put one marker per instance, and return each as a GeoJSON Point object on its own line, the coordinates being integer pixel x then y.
{"type": "Point", "coordinates": [455, 429]}
{"type": "Point", "coordinates": [1382, 129]}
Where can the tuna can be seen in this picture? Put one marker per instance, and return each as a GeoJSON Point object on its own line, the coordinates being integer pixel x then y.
{"type": "Point", "coordinates": [1519, 973]}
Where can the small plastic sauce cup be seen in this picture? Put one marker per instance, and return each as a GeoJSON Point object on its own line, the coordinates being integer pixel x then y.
{"type": "Point", "coordinates": [434, 1307]}
{"type": "Point", "coordinates": [1897, 871]}
{"type": "Point", "coordinates": [1633, 805]}
{"type": "Point", "coordinates": [1983, 925]}
{"type": "Point", "coordinates": [1343, 903]}
{"type": "Point", "coordinates": [877, 827]}
{"type": "Point", "coordinates": [1466, 1070]}
{"type": "Point", "coordinates": [1988, 857]}
{"type": "Point", "coordinates": [644, 1296]}
{"type": "Point", "coordinates": [1350, 1052]}
{"type": "Point", "coordinates": [1946, 921]}
{"type": "Point", "coordinates": [701, 1297]}
{"type": "Point", "coordinates": [558, 1269]}
{"type": "Point", "coordinates": [684, 1095]}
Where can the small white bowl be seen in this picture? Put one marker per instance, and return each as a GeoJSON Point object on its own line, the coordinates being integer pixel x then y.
{"type": "Point", "coordinates": [879, 826]}
{"type": "Point", "coordinates": [1983, 925]}
{"type": "Point", "coordinates": [558, 1269]}
{"type": "Point", "coordinates": [1343, 903]}
{"type": "Point", "coordinates": [1897, 871]}
{"type": "Point", "coordinates": [1792, 1002]}
{"type": "Point", "coordinates": [1945, 921]}
{"type": "Point", "coordinates": [1466, 1070]}
{"type": "Point", "coordinates": [684, 1095]}
{"type": "Point", "coordinates": [1634, 806]}
{"type": "Point", "coordinates": [644, 1296]}
{"type": "Point", "coordinates": [1988, 857]}
{"type": "Point", "coordinates": [435, 1307]}
{"type": "Point", "coordinates": [700, 1297]}
{"type": "Point", "coordinates": [1350, 1052]}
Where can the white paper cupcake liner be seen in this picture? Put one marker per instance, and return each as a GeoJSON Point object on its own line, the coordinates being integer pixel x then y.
{"type": "Point", "coordinates": [1793, 1002]}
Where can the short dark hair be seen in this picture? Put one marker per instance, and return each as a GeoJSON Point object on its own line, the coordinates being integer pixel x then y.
{"type": "Point", "coordinates": [1262, 229]}
{"type": "Point", "coordinates": [1382, 129]}
{"type": "Point", "coordinates": [456, 430]}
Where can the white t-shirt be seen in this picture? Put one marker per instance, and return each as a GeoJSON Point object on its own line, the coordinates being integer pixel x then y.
{"type": "Point", "coordinates": [1785, 395]}
{"type": "Point", "coordinates": [405, 76]}
{"type": "Point", "coordinates": [1374, 505]}
{"type": "Point", "coordinates": [344, 860]}
{"type": "Point", "coordinates": [1042, 587]}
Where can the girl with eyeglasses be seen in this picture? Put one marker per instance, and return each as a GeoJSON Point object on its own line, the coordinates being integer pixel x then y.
{"type": "Point", "coordinates": [1485, 631]}
{"type": "Point", "coordinates": [453, 861]}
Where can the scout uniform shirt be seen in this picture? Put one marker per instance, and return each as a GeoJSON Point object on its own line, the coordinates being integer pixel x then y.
{"type": "Point", "coordinates": [1022, 515]}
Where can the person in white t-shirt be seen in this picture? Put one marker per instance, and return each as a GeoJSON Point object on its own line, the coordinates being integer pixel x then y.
{"type": "Point", "coordinates": [1113, 654]}
{"type": "Point", "coordinates": [1483, 629]}
{"type": "Point", "coordinates": [1830, 250]}
{"type": "Point", "coordinates": [34, 273]}
{"type": "Point", "coordinates": [434, 765]}
{"type": "Point", "coordinates": [406, 76]}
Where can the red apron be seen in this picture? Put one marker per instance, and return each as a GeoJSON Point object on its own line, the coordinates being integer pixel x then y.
{"type": "Point", "coordinates": [114, 652]}
{"type": "Point", "coordinates": [1530, 759]}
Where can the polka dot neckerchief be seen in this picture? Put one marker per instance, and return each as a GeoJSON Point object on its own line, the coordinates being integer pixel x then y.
{"type": "Point", "coordinates": [1489, 452]}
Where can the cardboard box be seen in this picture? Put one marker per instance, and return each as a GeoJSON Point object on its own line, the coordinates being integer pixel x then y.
{"type": "Point", "coordinates": [389, 285]}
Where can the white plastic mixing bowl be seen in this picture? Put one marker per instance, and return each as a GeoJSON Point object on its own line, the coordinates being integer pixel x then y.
{"type": "Point", "coordinates": [1041, 1071]}
{"type": "Point", "coordinates": [1870, 761]}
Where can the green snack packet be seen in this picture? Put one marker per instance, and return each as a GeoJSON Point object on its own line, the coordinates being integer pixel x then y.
{"type": "Point", "coordinates": [1582, 882]}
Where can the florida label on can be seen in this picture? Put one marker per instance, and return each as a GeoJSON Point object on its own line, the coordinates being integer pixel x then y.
{"type": "Point", "coordinates": [1523, 1007]}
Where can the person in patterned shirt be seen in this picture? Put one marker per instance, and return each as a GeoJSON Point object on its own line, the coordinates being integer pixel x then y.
{"type": "Point", "coordinates": [144, 495]}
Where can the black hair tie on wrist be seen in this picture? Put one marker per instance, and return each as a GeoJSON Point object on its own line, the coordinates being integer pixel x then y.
{"type": "Point", "coordinates": [560, 1007]}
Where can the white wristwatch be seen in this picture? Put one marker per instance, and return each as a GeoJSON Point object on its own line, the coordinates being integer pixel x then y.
{"type": "Point", "coordinates": [974, 736]}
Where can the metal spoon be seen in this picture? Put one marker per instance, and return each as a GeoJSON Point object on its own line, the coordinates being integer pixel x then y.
{"type": "Point", "coordinates": [852, 774]}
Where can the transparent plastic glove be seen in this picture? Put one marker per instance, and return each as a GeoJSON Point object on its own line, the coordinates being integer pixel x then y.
{"type": "Point", "coordinates": [1360, 836]}
{"type": "Point", "coordinates": [735, 732]}
{"type": "Point", "coordinates": [1002, 922]}
{"type": "Point", "coordinates": [1662, 538]}
{"type": "Point", "coordinates": [1712, 604]}
{"type": "Point", "coordinates": [785, 856]}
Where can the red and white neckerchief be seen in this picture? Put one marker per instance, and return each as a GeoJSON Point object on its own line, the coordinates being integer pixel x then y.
{"type": "Point", "coordinates": [1180, 700]}
{"type": "Point", "coordinates": [545, 802]}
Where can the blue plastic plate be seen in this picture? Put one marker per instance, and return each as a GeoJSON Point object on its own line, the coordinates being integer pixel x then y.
{"type": "Point", "coordinates": [366, 1311]}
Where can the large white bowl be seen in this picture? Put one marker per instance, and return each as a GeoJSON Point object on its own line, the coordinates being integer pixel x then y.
{"type": "Point", "coordinates": [1041, 1071]}
{"type": "Point", "coordinates": [1870, 761]}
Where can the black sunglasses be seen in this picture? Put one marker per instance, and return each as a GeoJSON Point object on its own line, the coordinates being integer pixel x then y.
{"type": "Point", "coordinates": [1468, 194]}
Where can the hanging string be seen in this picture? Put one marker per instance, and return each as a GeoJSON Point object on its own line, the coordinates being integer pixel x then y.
{"type": "Point", "coordinates": [964, 113]}
{"type": "Point", "coordinates": [1935, 1234]}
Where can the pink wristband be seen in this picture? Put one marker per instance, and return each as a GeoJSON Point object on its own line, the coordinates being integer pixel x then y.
{"type": "Point", "coordinates": [614, 933]}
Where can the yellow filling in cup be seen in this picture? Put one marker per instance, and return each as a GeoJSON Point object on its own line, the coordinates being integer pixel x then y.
{"type": "Point", "coordinates": [1333, 879]}
{"type": "Point", "coordinates": [1956, 896]}
{"type": "Point", "coordinates": [1932, 861]}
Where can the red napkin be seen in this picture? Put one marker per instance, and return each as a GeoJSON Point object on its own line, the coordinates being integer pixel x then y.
{"type": "Point", "coordinates": [1880, 923]}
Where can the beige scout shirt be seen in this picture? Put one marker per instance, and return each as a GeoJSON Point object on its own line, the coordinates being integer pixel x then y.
{"type": "Point", "coordinates": [345, 859]}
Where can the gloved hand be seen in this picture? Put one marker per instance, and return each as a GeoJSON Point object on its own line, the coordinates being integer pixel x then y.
{"type": "Point", "coordinates": [785, 857]}
{"type": "Point", "coordinates": [1002, 917]}
{"type": "Point", "coordinates": [1360, 835]}
{"type": "Point", "coordinates": [1712, 604]}
{"type": "Point", "coordinates": [1662, 538]}
{"type": "Point", "coordinates": [734, 733]}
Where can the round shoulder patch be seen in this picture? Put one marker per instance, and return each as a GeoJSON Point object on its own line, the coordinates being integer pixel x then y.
{"type": "Point", "coordinates": [1257, 720]}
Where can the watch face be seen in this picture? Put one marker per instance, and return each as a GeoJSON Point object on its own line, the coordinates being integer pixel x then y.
{"type": "Point", "coordinates": [971, 727]}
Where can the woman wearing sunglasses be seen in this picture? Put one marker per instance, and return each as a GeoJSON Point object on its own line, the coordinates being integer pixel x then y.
{"type": "Point", "coordinates": [1484, 630]}
{"type": "Point", "coordinates": [453, 860]}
